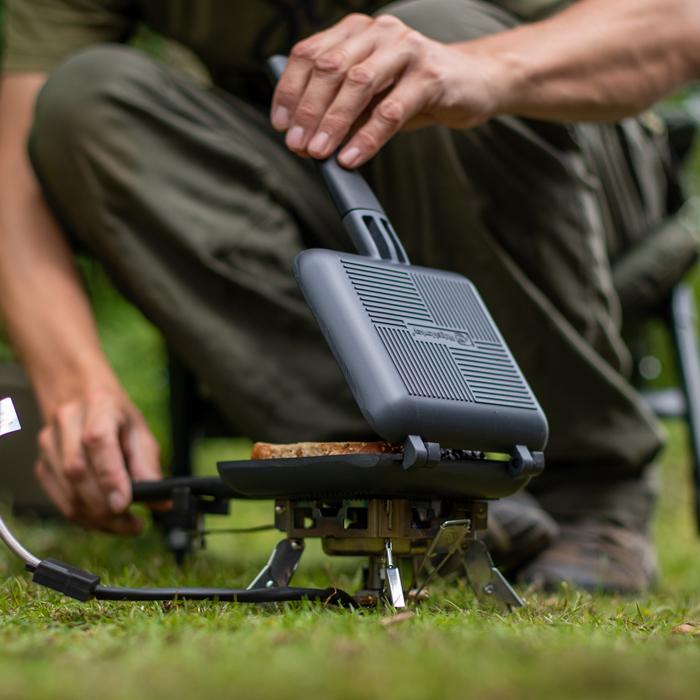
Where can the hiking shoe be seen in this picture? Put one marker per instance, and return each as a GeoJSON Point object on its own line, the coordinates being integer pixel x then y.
{"type": "Point", "coordinates": [596, 555]}
{"type": "Point", "coordinates": [518, 530]}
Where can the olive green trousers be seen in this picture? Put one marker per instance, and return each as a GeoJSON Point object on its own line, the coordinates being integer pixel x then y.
{"type": "Point", "coordinates": [196, 209]}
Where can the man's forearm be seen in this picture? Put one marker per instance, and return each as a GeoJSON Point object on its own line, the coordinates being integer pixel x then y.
{"type": "Point", "coordinates": [94, 438]}
{"type": "Point", "coordinates": [600, 60]}
{"type": "Point", "coordinates": [46, 313]}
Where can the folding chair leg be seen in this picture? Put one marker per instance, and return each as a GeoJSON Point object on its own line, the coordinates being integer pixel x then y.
{"type": "Point", "coordinates": [684, 320]}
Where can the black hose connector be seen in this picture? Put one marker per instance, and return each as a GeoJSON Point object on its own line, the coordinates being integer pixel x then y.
{"type": "Point", "coordinates": [75, 583]}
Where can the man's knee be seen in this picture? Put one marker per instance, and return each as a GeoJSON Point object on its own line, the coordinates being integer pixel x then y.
{"type": "Point", "coordinates": [451, 20]}
{"type": "Point", "coordinates": [78, 103]}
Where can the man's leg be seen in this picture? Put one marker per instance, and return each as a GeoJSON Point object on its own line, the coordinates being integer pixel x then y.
{"type": "Point", "coordinates": [518, 206]}
{"type": "Point", "coordinates": [196, 209]}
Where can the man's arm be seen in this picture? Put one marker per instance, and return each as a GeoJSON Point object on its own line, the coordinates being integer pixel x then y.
{"type": "Point", "coordinates": [599, 60]}
{"type": "Point", "coordinates": [94, 436]}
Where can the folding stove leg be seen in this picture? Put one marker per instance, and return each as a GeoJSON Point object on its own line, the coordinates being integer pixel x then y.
{"type": "Point", "coordinates": [487, 581]}
{"type": "Point", "coordinates": [281, 566]}
{"type": "Point", "coordinates": [392, 576]}
{"type": "Point", "coordinates": [448, 540]}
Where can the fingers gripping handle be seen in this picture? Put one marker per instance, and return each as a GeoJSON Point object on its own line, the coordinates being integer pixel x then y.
{"type": "Point", "coordinates": [362, 214]}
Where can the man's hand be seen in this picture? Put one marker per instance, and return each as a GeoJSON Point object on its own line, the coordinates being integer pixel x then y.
{"type": "Point", "coordinates": [88, 454]}
{"type": "Point", "coordinates": [598, 60]}
{"type": "Point", "coordinates": [381, 72]}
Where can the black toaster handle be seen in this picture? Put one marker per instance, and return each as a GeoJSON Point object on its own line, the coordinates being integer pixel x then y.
{"type": "Point", "coordinates": [362, 214]}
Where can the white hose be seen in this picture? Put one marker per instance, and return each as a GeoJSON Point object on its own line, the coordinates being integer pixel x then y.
{"type": "Point", "coordinates": [9, 423]}
{"type": "Point", "coordinates": [16, 548]}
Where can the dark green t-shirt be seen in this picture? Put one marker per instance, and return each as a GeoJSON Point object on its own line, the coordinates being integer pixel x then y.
{"type": "Point", "coordinates": [231, 37]}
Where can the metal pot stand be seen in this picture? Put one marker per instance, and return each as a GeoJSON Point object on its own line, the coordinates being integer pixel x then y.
{"type": "Point", "coordinates": [423, 506]}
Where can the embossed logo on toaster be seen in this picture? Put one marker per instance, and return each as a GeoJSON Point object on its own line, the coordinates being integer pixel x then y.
{"type": "Point", "coordinates": [426, 334]}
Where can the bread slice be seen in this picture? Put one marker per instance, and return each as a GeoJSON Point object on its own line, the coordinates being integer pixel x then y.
{"type": "Point", "coordinates": [266, 450]}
